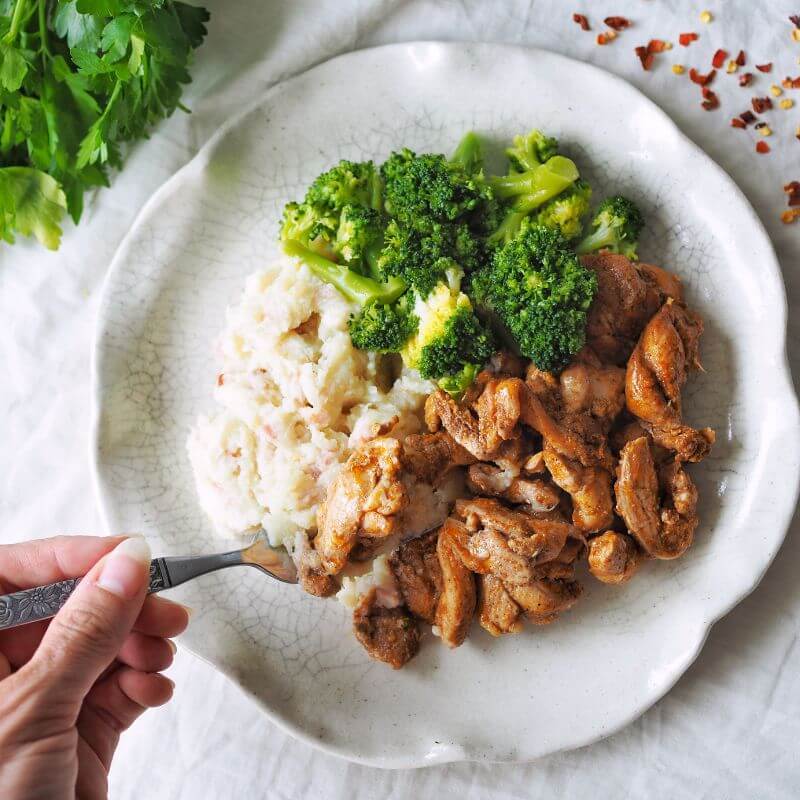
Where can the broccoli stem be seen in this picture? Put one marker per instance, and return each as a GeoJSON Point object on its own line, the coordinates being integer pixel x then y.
{"type": "Point", "coordinates": [468, 153]}
{"type": "Point", "coordinates": [602, 237]}
{"type": "Point", "coordinates": [353, 286]}
{"type": "Point", "coordinates": [537, 185]}
{"type": "Point", "coordinates": [508, 228]}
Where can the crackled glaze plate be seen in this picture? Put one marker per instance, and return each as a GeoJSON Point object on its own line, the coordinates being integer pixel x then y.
{"type": "Point", "coordinates": [215, 222]}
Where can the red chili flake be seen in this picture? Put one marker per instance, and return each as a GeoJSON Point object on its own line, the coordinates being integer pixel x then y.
{"type": "Point", "coordinates": [791, 215]}
{"type": "Point", "coordinates": [740, 58]}
{"type": "Point", "coordinates": [764, 67]}
{"type": "Point", "coordinates": [645, 57]}
{"type": "Point", "coordinates": [699, 78]}
{"type": "Point", "coordinates": [794, 199]}
{"type": "Point", "coordinates": [687, 38]}
{"type": "Point", "coordinates": [747, 117]}
{"type": "Point", "coordinates": [710, 99]}
{"type": "Point", "coordinates": [792, 189]}
{"type": "Point", "coordinates": [760, 125]}
{"type": "Point", "coordinates": [719, 59]}
{"type": "Point", "coordinates": [603, 38]}
{"type": "Point", "coordinates": [737, 123]}
{"type": "Point", "coordinates": [791, 83]}
{"type": "Point", "coordinates": [745, 79]}
{"type": "Point", "coordinates": [762, 147]}
{"type": "Point", "coordinates": [582, 21]}
{"type": "Point", "coordinates": [617, 23]}
{"type": "Point", "coordinates": [761, 104]}
{"type": "Point", "coordinates": [220, 379]}
{"type": "Point", "coordinates": [656, 46]}
{"type": "Point", "coordinates": [795, 20]}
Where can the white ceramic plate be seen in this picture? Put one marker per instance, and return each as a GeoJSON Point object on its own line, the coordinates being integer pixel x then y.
{"type": "Point", "coordinates": [215, 222]}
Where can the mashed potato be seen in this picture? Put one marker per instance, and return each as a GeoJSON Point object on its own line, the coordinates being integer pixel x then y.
{"type": "Point", "coordinates": [294, 398]}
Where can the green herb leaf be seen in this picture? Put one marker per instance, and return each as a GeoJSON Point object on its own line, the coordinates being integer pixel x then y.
{"type": "Point", "coordinates": [31, 203]}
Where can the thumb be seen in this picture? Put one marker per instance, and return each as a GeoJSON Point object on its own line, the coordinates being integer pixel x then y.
{"type": "Point", "coordinates": [87, 633]}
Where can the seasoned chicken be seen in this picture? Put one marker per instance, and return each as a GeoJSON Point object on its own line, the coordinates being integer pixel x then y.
{"type": "Point", "coordinates": [457, 599]}
{"type": "Point", "coordinates": [659, 509]}
{"type": "Point", "coordinates": [613, 557]}
{"type": "Point", "coordinates": [390, 635]}
{"type": "Point", "coordinates": [668, 283]}
{"type": "Point", "coordinates": [538, 494]}
{"type": "Point", "coordinates": [497, 612]}
{"type": "Point", "coordinates": [544, 599]}
{"type": "Point", "coordinates": [416, 569]}
{"type": "Point", "coordinates": [313, 579]}
{"type": "Point", "coordinates": [482, 424]}
{"type": "Point", "coordinates": [656, 373]}
{"type": "Point", "coordinates": [626, 298]}
{"type": "Point", "coordinates": [431, 456]}
{"type": "Point", "coordinates": [589, 488]}
{"type": "Point", "coordinates": [362, 502]}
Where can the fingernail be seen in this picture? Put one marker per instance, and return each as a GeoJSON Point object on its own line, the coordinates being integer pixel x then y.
{"type": "Point", "coordinates": [172, 646]}
{"type": "Point", "coordinates": [123, 572]}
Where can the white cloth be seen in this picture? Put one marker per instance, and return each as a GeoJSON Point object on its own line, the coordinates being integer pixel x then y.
{"type": "Point", "coordinates": [730, 727]}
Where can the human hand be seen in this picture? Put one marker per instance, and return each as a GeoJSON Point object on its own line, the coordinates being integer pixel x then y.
{"type": "Point", "coordinates": [70, 686]}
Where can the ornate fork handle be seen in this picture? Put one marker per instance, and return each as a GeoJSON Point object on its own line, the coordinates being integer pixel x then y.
{"type": "Point", "coordinates": [44, 602]}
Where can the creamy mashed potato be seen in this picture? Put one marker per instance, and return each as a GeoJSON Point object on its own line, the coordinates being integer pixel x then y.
{"type": "Point", "coordinates": [294, 398]}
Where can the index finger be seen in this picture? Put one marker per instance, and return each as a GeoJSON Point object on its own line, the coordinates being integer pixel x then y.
{"type": "Point", "coordinates": [41, 561]}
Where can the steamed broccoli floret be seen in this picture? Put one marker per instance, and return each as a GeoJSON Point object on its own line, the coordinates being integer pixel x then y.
{"type": "Point", "coordinates": [530, 189]}
{"type": "Point", "coordinates": [469, 153]}
{"type": "Point", "coordinates": [349, 182]}
{"type": "Point", "coordinates": [449, 338]}
{"type": "Point", "coordinates": [422, 259]}
{"type": "Point", "coordinates": [456, 385]}
{"type": "Point", "coordinates": [311, 226]}
{"type": "Point", "coordinates": [351, 284]}
{"type": "Point", "coordinates": [566, 210]}
{"type": "Point", "coordinates": [359, 238]}
{"type": "Point", "coordinates": [616, 227]}
{"type": "Point", "coordinates": [539, 293]}
{"type": "Point", "coordinates": [421, 190]}
{"type": "Point", "coordinates": [530, 150]}
{"type": "Point", "coordinates": [383, 328]}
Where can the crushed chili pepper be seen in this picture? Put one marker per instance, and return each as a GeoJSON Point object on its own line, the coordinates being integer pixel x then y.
{"type": "Point", "coordinates": [762, 147]}
{"type": "Point", "coordinates": [740, 58]}
{"type": "Point", "coordinates": [791, 214]}
{"type": "Point", "coordinates": [604, 38]}
{"type": "Point", "coordinates": [764, 67]}
{"type": "Point", "coordinates": [710, 100]}
{"type": "Point", "coordinates": [747, 117]}
{"type": "Point", "coordinates": [699, 78]}
{"type": "Point", "coordinates": [792, 189]}
{"type": "Point", "coordinates": [581, 20]}
{"type": "Point", "coordinates": [746, 79]}
{"type": "Point", "coordinates": [656, 46]}
{"type": "Point", "coordinates": [791, 83]}
{"type": "Point", "coordinates": [795, 20]}
{"type": "Point", "coordinates": [737, 123]}
{"type": "Point", "coordinates": [220, 379]}
{"type": "Point", "coordinates": [686, 39]}
{"type": "Point", "coordinates": [761, 104]}
{"type": "Point", "coordinates": [719, 58]}
{"type": "Point", "coordinates": [645, 57]}
{"type": "Point", "coordinates": [617, 23]}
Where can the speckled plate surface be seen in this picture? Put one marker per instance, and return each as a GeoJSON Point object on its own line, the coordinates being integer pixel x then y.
{"type": "Point", "coordinates": [621, 649]}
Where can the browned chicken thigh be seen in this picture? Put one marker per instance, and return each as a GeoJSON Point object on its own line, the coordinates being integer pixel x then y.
{"type": "Point", "coordinates": [613, 557]}
{"type": "Point", "coordinates": [657, 369]}
{"type": "Point", "coordinates": [362, 502]}
{"type": "Point", "coordinates": [390, 635]}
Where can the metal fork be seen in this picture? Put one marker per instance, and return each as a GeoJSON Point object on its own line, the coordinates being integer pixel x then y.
{"type": "Point", "coordinates": [44, 602]}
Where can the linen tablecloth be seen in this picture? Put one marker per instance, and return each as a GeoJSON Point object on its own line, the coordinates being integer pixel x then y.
{"type": "Point", "coordinates": [731, 726]}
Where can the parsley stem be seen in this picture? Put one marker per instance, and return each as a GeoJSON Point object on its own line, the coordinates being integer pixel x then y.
{"type": "Point", "coordinates": [43, 27]}
{"type": "Point", "coordinates": [16, 21]}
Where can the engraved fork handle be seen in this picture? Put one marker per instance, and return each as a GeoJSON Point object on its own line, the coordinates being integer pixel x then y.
{"type": "Point", "coordinates": [44, 602]}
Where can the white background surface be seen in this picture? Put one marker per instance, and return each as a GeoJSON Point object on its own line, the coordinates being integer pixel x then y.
{"type": "Point", "coordinates": [729, 729]}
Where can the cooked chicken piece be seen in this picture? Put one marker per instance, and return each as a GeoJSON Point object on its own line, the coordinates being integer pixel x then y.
{"type": "Point", "coordinates": [595, 390]}
{"type": "Point", "coordinates": [390, 635]}
{"type": "Point", "coordinates": [416, 569]}
{"type": "Point", "coordinates": [497, 612]}
{"type": "Point", "coordinates": [479, 425]}
{"type": "Point", "coordinates": [310, 574]}
{"type": "Point", "coordinates": [614, 557]}
{"type": "Point", "coordinates": [657, 371]}
{"type": "Point", "coordinates": [544, 599]}
{"type": "Point", "coordinates": [538, 540]}
{"type": "Point", "coordinates": [538, 494]}
{"type": "Point", "coordinates": [589, 488]}
{"type": "Point", "coordinates": [668, 283]}
{"type": "Point", "coordinates": [457, 599]}
{"type": "Point", "coordinates": [431, 456]}
{"type": "Point", "coordinates": [664, 528]}
{"type": "Point", "coordinates": [625, 300]}
{"type": "Point", "coordinates": [362, 501]}
{"type": "Point", "coordinates": [534, 465]}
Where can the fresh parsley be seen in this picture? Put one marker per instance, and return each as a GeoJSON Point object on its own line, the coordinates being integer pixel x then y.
{"type": "Point", "coordinates": [78, 79]}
